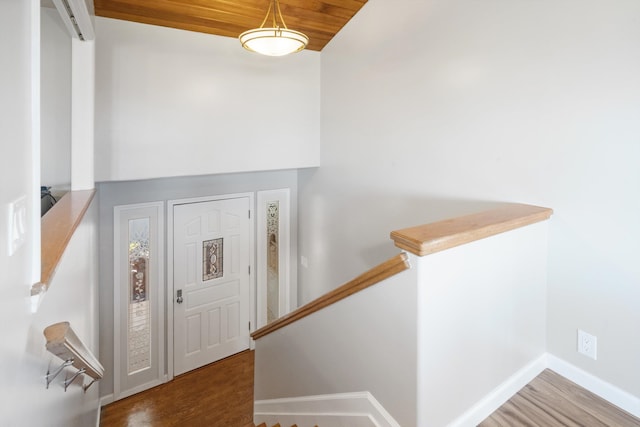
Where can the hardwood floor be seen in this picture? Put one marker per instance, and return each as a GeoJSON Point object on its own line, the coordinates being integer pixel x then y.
{"type": "Point", "coordinates": [221, 395]}
{"type": "Point", "coordinates": [216, 395]}
{"type": "Point", "coordinates": [551, 400]}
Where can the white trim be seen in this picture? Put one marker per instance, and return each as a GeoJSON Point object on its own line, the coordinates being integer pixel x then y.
{"type": "Point", "coordinates": [498, 396]}
{"type": "Point", "coordinates": [359, 409]}
{"type": "Point", "coordinates": [169, 291]}
{"type": "Point", "coordinates": [326, 420]}
{"type": "Point", "coordinates": [106, 399]}
{"type": "Point", "coordinates": [605, 390]}
{"type": "Point", "coordinates": [518, 380]}
{"type": "Point", "coordinates": [282, 196]}
{"type": "Point", "coordinates": [98, 414]}
{"type": "Point", "coordinates": [139, 388]}
{"type": "Point", "coordinates": [35, 220]}
{"type": "Point", "coordinates": [82, 18]}
{"type": "Point", "coordinates": [119, 214]}
{"type": "Point", "coordinates": [168, 307]}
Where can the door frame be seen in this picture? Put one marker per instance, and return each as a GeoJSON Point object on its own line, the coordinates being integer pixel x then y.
{"type": "Point", "coordinates": [128, 212]}
{"type": "Point", "coordinates": [286, 296]}
{"type": "Point", "coordinates": [169, 295]}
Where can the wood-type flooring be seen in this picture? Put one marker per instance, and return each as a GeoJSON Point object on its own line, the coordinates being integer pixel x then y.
{"type": "Point", "coordinates": [221, 395]}
{"type": "Point", "coordinates": [216, 395]}
{"type": "Point", "coordinates": [553, 401]}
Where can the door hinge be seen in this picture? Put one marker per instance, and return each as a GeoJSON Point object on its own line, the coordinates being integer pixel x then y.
{"type": "Point", "coordinates": [249, 270]}
{"type": "Point", "coordinates": [249, 214]}
{"type": "Point", "coordinates": [249, 325]}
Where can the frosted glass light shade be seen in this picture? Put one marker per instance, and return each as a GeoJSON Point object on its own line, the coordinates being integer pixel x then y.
{"type": "Point", "coordinates": [273, 41]}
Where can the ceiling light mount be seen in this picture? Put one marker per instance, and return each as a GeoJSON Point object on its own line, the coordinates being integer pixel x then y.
{"type": "Point", "coordinates": [277, 40]}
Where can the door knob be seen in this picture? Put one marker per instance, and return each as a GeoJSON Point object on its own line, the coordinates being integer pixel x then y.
{"type": "Point", "coordinates": [179, 299]}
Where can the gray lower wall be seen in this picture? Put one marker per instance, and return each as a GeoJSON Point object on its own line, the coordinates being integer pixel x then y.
{"type": "Point", "coordinates": [129, 192]}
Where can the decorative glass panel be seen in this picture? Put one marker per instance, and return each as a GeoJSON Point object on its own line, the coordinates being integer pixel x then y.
{"type": "Point", "coordinates": [273, 259]}
{"type": "Point", "coordinates": [139, 326]}
{"type": "Point", "coordinates": [212, 266]}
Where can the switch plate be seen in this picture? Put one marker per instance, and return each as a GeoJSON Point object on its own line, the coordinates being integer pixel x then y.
{"type": "Point", "coordinates": [587, 344]}
{"type": "Point", "coordinates": [17, 224]}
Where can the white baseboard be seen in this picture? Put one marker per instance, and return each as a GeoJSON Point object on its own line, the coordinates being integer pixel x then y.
{"type": "Point", "coordinates": [506, 390]}
{"type": "Point", "coordinates": [331, 410]}
{"type": "Point", "coordinates": [595, 385]}
{"type": "Point", "coordinates": [105, 400]}
{"type": "Point", "coordinates": [304, 420]}
{"type": "Point", "coordinates": [497, 397]}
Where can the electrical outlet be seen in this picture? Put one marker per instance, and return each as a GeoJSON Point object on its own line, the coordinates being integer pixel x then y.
{"type": "Point", "coordinates": [587, 344]}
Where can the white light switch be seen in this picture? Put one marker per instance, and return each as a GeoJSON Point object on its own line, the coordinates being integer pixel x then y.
{"type": "Point", "coordinates": [17, 224]}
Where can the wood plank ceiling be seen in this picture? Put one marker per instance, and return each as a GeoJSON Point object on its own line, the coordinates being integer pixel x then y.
{"type": "Point", "coordinates": [320, 20]}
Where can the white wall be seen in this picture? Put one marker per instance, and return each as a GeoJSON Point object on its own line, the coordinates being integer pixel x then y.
{"type": "Point", "coordinates": [67, 105]}
{"type": "Point", "coordinates": [82, 114]}
{"type": "Point", "coordinates": [72, 297]}
{"type": "Point", "coordinates": [24, 401]}
{"type": "Point", "coordinates": [55, 145]}
{"type": "Point", "coordinates": [16, 37]}
{"type": "Point", "coordinates": [482, 319]}
{"type": "Point", "coordinates": [460, 101]}
{"type": "Point", "coordinates": [121, 193]}
{"type": "Point", "coordinates": [175, 103]}
{"type": "Point", "coordinates": [350, 346]}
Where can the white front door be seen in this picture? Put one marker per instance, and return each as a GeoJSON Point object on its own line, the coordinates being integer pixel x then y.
{"type": "Point", "coordinates": [211, 281]}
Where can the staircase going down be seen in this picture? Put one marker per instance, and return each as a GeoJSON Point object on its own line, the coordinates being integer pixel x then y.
{"type": "Point", "coordinates": [503, 250]}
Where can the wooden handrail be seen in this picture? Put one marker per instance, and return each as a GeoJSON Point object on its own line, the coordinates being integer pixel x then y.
{"type": "Point", "coordinates": [438, 236]}
{"type": "Point", "coordinates": [377, 274]}
{"type": "Point", "coordinates": [58, 225]}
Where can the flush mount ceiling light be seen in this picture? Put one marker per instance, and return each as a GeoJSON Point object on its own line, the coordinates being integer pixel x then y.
{"type": "Point", "coordinates": [276, 40]}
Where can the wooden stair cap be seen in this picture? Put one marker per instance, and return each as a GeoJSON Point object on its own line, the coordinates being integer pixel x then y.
{"type": "Point", "coordinates": [438, 236]}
